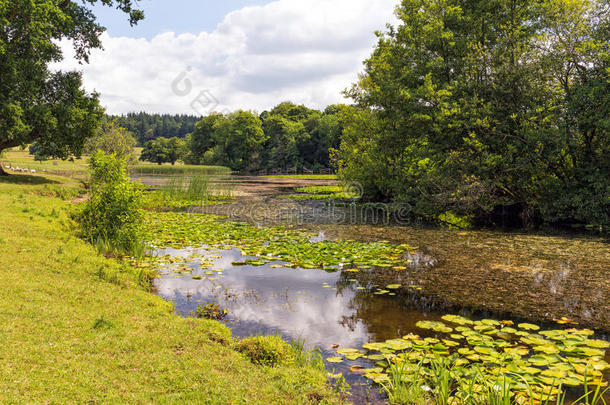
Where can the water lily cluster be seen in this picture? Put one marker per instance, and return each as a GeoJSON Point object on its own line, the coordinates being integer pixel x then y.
{"type": "Point", "coordinates": [267, 244]}
{"type": "Point", "coordinates": [523, 362]}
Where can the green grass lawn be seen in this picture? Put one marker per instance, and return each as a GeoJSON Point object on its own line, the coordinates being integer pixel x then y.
{"type": "Point", "coordinates": [21, 158]}
{"type": "Point", "coordinates": [75, 326]}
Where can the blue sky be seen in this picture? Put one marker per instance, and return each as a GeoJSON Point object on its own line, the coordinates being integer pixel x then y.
{"type": "Point", "coordinates": [179, 16]}
{"type": "Point", "coordinates": [199, 56]}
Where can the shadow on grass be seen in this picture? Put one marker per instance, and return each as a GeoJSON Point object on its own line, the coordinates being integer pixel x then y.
{"type": "Point", "coordinates": [26, 179]}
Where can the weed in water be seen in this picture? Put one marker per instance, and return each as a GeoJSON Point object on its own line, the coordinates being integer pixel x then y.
{"type": "Point", "coordinates": [211, 310]}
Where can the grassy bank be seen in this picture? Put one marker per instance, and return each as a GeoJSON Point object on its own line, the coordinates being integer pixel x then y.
{"type": "Point", "coordinates": [76, 327]}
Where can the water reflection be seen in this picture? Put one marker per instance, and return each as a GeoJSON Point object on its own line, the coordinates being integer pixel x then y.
{"type": "Point", "coordinates": [324, 308]}
{"type": "Point", "coordinates": [292, 301]}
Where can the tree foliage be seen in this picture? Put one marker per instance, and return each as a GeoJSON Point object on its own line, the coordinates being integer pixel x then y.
{"type": "Point", "coordinates": [164, 150]}
{"type": "Point", "coordinates": [483, 107]}
{"type": "Point", "coordinates": [113, 139]}
{"type": "Point", "coordinates": [37, 104]}
{"type": "Point", "coordinates": [287, 136]}
{"type": "Point", "coordinates": [146, 126]}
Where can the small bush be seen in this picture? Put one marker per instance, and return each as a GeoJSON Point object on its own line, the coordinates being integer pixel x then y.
{"type": "Point", "coordinates": [268, 351]}
{"type": "Point", "coordinates": [113, 216]}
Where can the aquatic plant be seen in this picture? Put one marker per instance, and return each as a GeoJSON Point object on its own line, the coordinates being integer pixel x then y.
{"type": "Point", "coordinates": [488, 362]}
{"type": "Point", "coordinates": [211, 310]}
{"type": "Point", "coordinates": [292, 246]}
{"type": "Point", "coordinates": [304, 176]}
{"type": "Point", "coordinates": [195, 189]}
{"type": "Point", "coordinates": [311, 358]}
{"type": "Point", "coordinates": [319, 189]}
{"type": "Point", "coordinates": [186, 191]}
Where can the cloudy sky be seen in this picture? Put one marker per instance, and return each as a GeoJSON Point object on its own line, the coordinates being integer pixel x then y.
{"type": "Point", "coordinates": [195, 56]}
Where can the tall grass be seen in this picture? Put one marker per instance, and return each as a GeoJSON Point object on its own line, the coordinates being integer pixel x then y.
{"type": "Point", "coordinates": [184, 191]}
{"type": "Point", "coordinates": [304, 357]}
{"type": "Point", "coordinates": [152, 170]}
{"type": "Point", "coordinates": [195, 188]}
{"type": "Point", "coordinates": [439, 381]}
{"type": "Point", "coordinates": [406, 384]}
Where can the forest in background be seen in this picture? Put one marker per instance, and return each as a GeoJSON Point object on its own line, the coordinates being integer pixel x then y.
{"type": "Point", "coordinates": [146, 126]}
{"type": "Point", "coordinates": [289, 136]}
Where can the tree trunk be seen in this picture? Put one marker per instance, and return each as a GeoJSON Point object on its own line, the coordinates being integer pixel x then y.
{"type": "Point", "coordinates": [3, 147]}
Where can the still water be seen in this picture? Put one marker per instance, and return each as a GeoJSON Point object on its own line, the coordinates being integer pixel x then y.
{"type": "Point", "coordinates": [324, 308]}
{"type": "Point", "coordinates": [478, 274]}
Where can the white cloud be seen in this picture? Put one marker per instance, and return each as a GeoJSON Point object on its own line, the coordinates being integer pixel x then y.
{"type": "Point", "coordinates": [297, 50]}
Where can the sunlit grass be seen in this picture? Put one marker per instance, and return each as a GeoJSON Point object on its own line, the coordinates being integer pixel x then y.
{"type": "Point", "coordinates": [77, 327]}
{"type": "Point", "coordinates": [319, 189]}
{"type": "Point", "coordinates": [17, 157]}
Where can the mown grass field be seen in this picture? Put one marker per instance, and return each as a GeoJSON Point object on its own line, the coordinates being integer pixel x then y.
{"type": "Point", "coordinates": [76, 327]}
{"type": "Point", "coordinates": [78, 168]}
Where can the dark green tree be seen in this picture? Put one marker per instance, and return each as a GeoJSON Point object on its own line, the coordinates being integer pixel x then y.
{"type": "Point", "coordinates": [37, 104]}
{"type": "Point", "coordinates": [285, 137]}
{"type": "Point", "coordinates": [243, 138]}
{"type": "Point", "coordinates": [164, 150]}
{"type": "Point", "coordinates": [203, 138]}
{"type": "Point", "coordinates": [483, 107]}
{"type": "Point", "coordinates": [146, 126]}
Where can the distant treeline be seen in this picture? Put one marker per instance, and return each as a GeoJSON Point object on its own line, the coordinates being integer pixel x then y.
{"type": "Point", "coordinates": [287, 137]}
{"type": "Point", "coordinates": [146, 127]}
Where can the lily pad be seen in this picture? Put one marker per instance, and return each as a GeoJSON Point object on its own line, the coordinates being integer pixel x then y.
{"type": "Point", "coordinates": [459, 320]}
{"type": "Point", "coordinates": [347, 351]}
{"type": "Point", "coordinates": [528, 326]}
{"type": "Point", "coordinates": [353, 356]}
{"type": "Point", "coordinates": [434, 325]}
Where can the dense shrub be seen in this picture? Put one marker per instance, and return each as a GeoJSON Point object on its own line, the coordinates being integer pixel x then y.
{"type": "Point", "coordinates": [113, 215]}
{"type": "Point", "coordinates": [266, 350]}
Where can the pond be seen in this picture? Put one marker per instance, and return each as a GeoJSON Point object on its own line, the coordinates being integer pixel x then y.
{"type": "Point", "coordinates": [478, 274]}
{"type": "Point", "coordinates": [323, 308]}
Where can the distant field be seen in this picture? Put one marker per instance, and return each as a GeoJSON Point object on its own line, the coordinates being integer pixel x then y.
{"type": "Point", "coordinates": [79, 167]}
{"type": "Point", "coordinates": [22, 159]}
{"type": "Point", "coordinates": [305, 176]}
